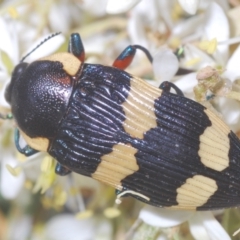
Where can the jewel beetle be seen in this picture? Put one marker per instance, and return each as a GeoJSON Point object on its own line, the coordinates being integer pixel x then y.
{"type": "Point", "coordinates": [146, 142]}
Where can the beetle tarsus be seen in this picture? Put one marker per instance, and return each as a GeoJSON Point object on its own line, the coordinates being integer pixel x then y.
{"type": "Point", "coordinates": [27, 150]}
{"type": "Point", "coordinates": [147, 53]}
{"type": "Point", "coordinates": [61, 170]}
{"type": "Point", "coordinates": [127, 55]}
{"type": "Point", "coordinates": [75, 47]}
{"type": "Point", "coordinates": [166, 86]}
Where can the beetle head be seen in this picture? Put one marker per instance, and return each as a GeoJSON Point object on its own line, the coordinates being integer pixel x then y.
{"type": "Point", "coordinates": [39, 93]}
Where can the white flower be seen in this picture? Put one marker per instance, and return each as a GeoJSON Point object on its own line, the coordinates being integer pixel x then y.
{"type": "Point", "coordinates": [19, 227]}
{"type": "Point", "coordinates": [203, 225]}
{"type": "Point", "coordinates": [10, 42]}
{"type": "Point", "coordinates": [9, 185]}
{"type": "Point", "coordinates": [190, 6]}
{"type": "Point", "coordinates": [114, 7]}
{"type": "Point", "coordinates": [91, 7]}
{"type": "Point", "coordinates": [66, 226]}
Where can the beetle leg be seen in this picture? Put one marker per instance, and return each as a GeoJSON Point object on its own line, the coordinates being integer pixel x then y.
{"type": "Point", "coordinates": [127, 55]}
{"type": "Point", "coordinates": [118, 192]}
{"type": "Point", "coordinates": [27, 150]}
{"type": "Point", "coordinates": [75, 47]}
{"type": "Point", "coordinates": [61, 170]}
{"type": "Point", "coordinates": [8, 116]}
{"type": "Point", "coordinates": [166, 86]}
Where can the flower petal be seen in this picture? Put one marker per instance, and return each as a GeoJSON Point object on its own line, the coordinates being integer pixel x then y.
{"type": "Point", "coordinates": [196, 58]}
{"type": "Point", "coordinates": [190, 6]}
{"type": "Point", "coordinates": [188, 27]}
{"type": "Point", "coordinates": [197, 228]}
{"type": "Point", "coordinates": [186, 84]}
{"type": "Point", "coordinates": [212, 228]}
{"type": "Point", "coordinates": [215, 17]}
{"type": "Point", "coordinates": [232, 68]}
{"type": "Point", "coordinates": [136, 31]}
{"type": "Point", "coordinates": [164, 8]}
{"type": "Point", "coordinates": [8, 40]}
{"type": "Point", "coordinates": [7, 179]}
{"type": "Point", "coordinates": [91, 7]}
{"type": "Point", "coordinates": [3, 101]}
{"type": "Point", "coordinates": [223, 3]}
{"type": "Point", "coordinates": [230, 110]}
{"type": "Point", "coordinates": [165, 65]}
{"type": "Point", "coordinates": [63, 23]}
{"type": "Point", "coordinates": [66, 226]}
{"type": "Point", "coordinates": [115, 7]}
{"type": "Point", "coordinates": [20, 227]}
{"type": "Point", "coordinates": [163, 218]}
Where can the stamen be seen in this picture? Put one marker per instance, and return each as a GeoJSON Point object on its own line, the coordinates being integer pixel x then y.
{"type": "Point", "coordinates": [134, 227]}
{"type": "Point", "coordinates": [46, 179]}
{"type": "Point", "coordinates": [112, 212]}
{"type": "Point", "coordinates": [28, 184]}
{"type": "Point", "coordinates": [174, 42]}
{"type": "Point", "coordinates": [84, 214]}
{"type": "Point", "coordinates": [176, 12]}
{"type": "Point", "coordinates": [192, 61]}
{"type": "Point", "coordinates": [13, 12]}
{"type": "Point", "coordinates": [15, 171]}
{"type": "Point", "coordinates": [74, 192]}
{"type": "Point", "coordinates": [236, 232]}
{"type": "Point", "coordinates": [60, 196]}
{"type": "Point", "coordinates": [208, 46]}
{"type": "Point", "coordinates": [230, 41]}
{"type": "Point", "coordinates": [46, 164]}
{"type": "Point", "coordinates": [233, 95]}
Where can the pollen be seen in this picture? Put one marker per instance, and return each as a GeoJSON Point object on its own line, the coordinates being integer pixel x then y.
{"type": "Point", "coordinates": [15, 171]}
{"type": "Point", "coordinates": [176, 12]}
{"type": "Point", "coordinates": [174, 42]}
{"type": "Point", "coordinates": [21, 157]}
{"type": "Point", "coordinates": [46, 164]}
{"type": "Point", "coordinates": [192, 62]}
{"type": "Point", "coordinates": [60, 196]}
{"type": "Point", "coordinates": [28, 184]}
{"type": "Point", "coordinates": [45, 180]}
{"type": "Point", "coordinates": [84, 215]}
{"type": "Point", "coordinates": [73, 191]}
{"type": "Point", "coordinates": [112, 212]}
{"type": "Point", "coordinates": [12, 11]}
{"type": "Point", "coordinates": [209, 46]}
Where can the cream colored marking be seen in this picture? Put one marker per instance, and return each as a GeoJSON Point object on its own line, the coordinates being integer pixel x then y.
{"type": "Point", "coordinates": [117, 165]}
{"type": "Point", "coordinates": [71, 64]}
{"type": "Point", "coordinates": [215, 144]}
{"type": "Point", "coordinates": [139, 108]}
{"type": "Point", "coordinates": [195, 192]}
{"type": "Point", "coordinates": [40, 144]}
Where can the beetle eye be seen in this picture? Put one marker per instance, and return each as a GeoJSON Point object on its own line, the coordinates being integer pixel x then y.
{"type": "Point", "coordinates": [17, 72]}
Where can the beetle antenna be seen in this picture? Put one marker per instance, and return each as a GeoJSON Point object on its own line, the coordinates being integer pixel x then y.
{"type": "Point", "coordinates": [40, 44]}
